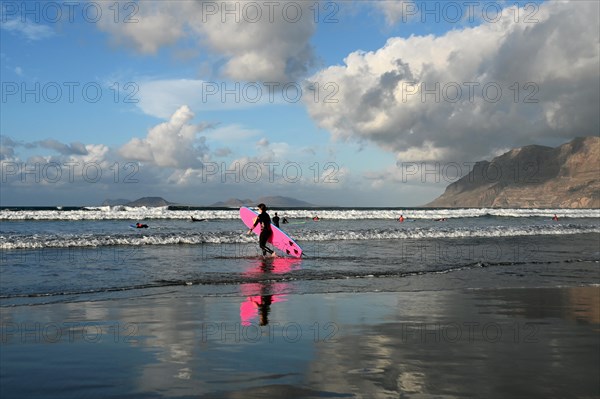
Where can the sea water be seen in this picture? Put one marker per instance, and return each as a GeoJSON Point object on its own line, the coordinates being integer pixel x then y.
{"type": "Point", "coordinates": [449, 303]}
{"type": "Point", "coordinates": [85, 254]}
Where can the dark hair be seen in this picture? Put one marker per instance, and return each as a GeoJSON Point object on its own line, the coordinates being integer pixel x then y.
{"type": "Point", "coordinates": [262, 207]}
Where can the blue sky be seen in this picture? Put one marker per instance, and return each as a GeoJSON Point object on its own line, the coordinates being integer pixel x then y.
{"type": "Point", "coordinates": [201, 101]}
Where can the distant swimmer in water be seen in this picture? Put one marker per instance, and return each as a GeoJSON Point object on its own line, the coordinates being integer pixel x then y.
{"type": "Point", "coordinates": [401, 218]}
{"type": "Point", "coordinates": [141, 226]}
{"type": "Point", "coordinates": [555, 218]}
{"type": "Point", "coordinates": [197, 220]}
{"type": "Point", "coordinates": [441, 220]}
{"type": "Point", "coordinates": [276, 220]}
{"type": "Point", "coordinates": [316, 218]}
{"type": "Point", "coordinates": [284, 220]}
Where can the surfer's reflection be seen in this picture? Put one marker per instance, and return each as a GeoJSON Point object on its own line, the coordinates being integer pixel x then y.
{"type": "Point", "coordinates": [261, 294]}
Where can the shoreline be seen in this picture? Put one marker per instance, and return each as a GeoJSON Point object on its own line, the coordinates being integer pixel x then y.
{"type": "Point", "coordinates": [303, 281]}
{"type": "Point", "coordinates": [484, 342]}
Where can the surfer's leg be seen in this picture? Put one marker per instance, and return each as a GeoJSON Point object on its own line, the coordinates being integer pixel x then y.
{"type": "Point", "coordinates": [263, 238]}
{"type": "Point", "coordinates": [266, 249]}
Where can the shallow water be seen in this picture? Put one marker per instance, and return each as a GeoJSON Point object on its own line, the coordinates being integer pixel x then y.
{"type": "Point", "coordinates": [62, 260]}
{"type": "Point", "coordinates": [483, 304]}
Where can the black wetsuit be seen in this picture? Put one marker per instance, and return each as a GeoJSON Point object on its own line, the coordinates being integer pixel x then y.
{"type": "Point", "coordinates": [265, 220]}
{"type": "Point", "coordinates": [276, 220]}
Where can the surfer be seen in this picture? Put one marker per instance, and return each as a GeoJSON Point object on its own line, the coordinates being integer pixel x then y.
{"type": "Point", "coordinates": [141, 226]}
{"type": "Point", "coordinates": [276, 220]}
{"type": "Point", "coordinates": [401, 218]}
{"type": "Point", "coordinates": [265, 230]}
{"type": "Point", "coordinates": [555, 218]}
{"type": "Point", "coordinates": [284, 220]}
{"type": "Point", "coordinates": [316, 218]}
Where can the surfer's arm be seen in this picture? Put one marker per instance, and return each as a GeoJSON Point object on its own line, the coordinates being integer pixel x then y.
{"type": "Point", "coordinates": [256, 221]}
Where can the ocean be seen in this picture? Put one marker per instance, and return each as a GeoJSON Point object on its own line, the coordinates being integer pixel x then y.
{"type": "Point", "coordinates": [84, 254]}
{"type": "Point", "coordinates": [477, 303]}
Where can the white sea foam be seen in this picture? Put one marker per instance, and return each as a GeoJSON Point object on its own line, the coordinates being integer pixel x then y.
{"type": "Point", "coordinates": [11, 242]}
{"type": "Point", "coordinates": [139, 213]}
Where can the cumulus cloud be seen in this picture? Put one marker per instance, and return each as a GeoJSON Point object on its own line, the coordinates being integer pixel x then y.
{"type": "Point", "coordinates": [153, 24]}
{"type": "Point", "coordinates": [469, 92]}
{"type": "Point", "coordinates": [173, 144]}
{"type": "Point", "coordinates": [266, 51]}
{"type": "Point", "coordinates": [259, 41]}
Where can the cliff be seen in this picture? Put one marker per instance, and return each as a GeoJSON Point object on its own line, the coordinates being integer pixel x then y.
{"type": "Point", "coordinates": [534, 176]}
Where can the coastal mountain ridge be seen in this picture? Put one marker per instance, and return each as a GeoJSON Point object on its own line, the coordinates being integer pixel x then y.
{"type": "Point", "coordinates": [271, 201]}
{"type": "Point", "coordinates": [533, 176]}
{"type": "Point", "coordinates": [144, 201]}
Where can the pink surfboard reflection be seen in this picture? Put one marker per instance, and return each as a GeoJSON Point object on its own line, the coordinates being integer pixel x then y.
{"type": "Point", "coordinates": [258, 295]}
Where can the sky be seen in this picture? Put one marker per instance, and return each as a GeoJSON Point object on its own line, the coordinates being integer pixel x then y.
{"type": "Point", "coordinates": [337, 103]}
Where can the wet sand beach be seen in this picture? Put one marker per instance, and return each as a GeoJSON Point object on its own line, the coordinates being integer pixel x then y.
{"type": "Point", "coordinates": [492, 343]}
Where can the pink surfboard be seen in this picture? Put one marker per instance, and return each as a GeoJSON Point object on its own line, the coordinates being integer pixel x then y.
{"type": "Point", "coordinates": [279, 239]}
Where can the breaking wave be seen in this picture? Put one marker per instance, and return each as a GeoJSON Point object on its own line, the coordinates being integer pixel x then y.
{"type": "Point", "coordinates": [45, 240]}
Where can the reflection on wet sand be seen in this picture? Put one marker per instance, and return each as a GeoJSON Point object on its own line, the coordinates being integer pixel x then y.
{"type": "Point", "coordinates": [473, 343]}
{"type": "Point", "coordinates": [259, 296]}
{"type": "Point", "coordinates": [585, 303]}
{"type": "Point", "coordinates": [576, 303]}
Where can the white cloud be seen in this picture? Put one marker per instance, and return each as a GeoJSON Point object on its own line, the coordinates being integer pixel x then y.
{"type": "Point", "coordinates": [94, 153]}
{"type": "Point", "coordinates": [153, 25]}
{"type": "Point", "coordinates": [397, 10]}
{"type": "Point", "coordinates": [29, 30]}
{"type": "Point", "coordinates": [172, 144]}
{"type": "Point", "coordinates": [272, 151]}
{"type": "Point", "coordinates": [260, 41]}
{"type": "Point", "coordinates": [554, 63]}
{"type": "Point", "coordinates": [427, 151]}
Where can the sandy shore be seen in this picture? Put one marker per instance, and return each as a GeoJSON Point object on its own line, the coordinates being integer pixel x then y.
{"type": "Point", "coordinates": [517, 343]}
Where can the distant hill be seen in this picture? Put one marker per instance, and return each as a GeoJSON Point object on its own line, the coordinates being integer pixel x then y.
{"type": "Point", "coordinates": [272, 201]}
{"type": "Point", "coordinates": [233, 203]}
{"type": "Point", "coordinates": [534, 176]}
{"type": "Point", "coordinates": [145, 201]}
